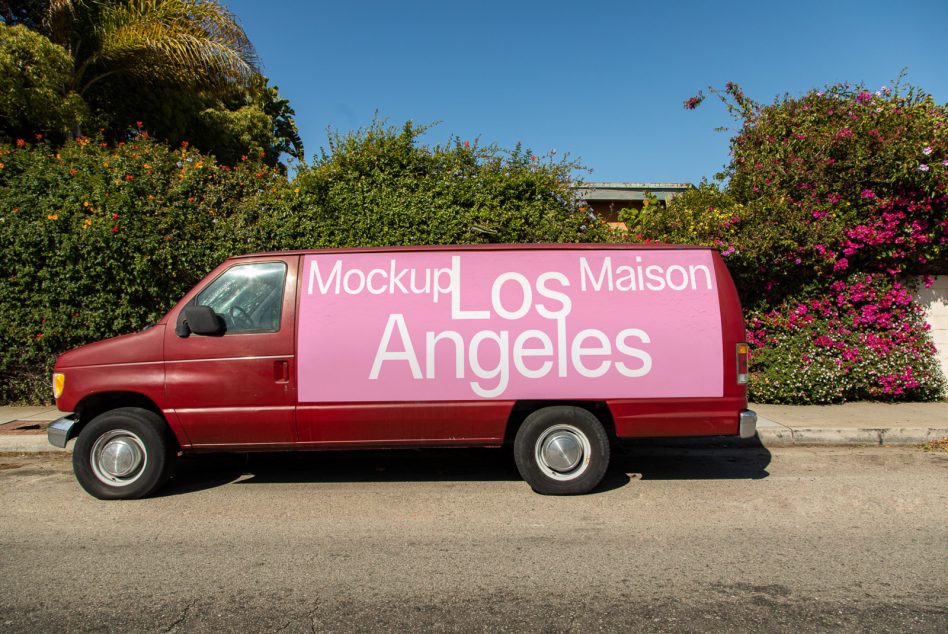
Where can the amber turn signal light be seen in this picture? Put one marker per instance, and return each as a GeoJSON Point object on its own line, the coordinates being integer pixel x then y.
{"type": "Point", "coordinates": [59, 384]}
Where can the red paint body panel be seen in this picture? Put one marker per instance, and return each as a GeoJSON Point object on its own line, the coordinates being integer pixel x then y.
{"type": "Point", "coordinates": [424, 423]}
{"type": "Point", "coordinates": [646, 418]}
{"type": "Point", "coordinates": [145, 378]}
{"type": "Point", "coordinates": [146, 346]}
{"type": "Point", "coordinates": [238, 388]}
{"type": "Point", "coordinates": [132, 364]}
{"type": "Point", "coordinates": [239, 391]}
{"type": "Point", "coordinates": [732, 330]}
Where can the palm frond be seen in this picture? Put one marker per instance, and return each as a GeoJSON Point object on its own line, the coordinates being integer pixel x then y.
{"type": "Point", "coordinates": [58, 21]}
{"type": "Point", "coordinates": [194, 41]}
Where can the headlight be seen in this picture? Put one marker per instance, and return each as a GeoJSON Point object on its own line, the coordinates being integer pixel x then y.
{"type": "Point", "coordinates": [59, 384]}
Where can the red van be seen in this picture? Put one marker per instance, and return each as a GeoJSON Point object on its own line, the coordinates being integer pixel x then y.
{"type": "Point", "coordinates": [555, 348]}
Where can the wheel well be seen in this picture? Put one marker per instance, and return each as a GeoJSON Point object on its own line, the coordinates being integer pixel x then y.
{"type": "Point", "coordinates": [96, 404]}
{"type": "Point", "coordinates": [522, 409]}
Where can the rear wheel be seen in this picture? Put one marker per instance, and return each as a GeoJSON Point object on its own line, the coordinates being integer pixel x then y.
{"type": "Point", "coordinates": [124, 454]}
{"type": "Point", "coordinates": [562, 450]}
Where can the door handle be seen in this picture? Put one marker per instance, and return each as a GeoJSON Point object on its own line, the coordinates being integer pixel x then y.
{"type": "Point", "coordinates": [281, 371]}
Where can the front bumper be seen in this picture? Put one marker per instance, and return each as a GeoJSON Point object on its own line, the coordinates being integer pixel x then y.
{"type": "Point", "coordinates": [748, 425]}
{"type": "Point", "coordinates": [60, 431]}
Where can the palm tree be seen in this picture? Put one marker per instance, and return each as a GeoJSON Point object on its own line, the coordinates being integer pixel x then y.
{"type": "Point", "coordinates": [192, 57]}
{"type": "Point", "coordinates": [195, 43]}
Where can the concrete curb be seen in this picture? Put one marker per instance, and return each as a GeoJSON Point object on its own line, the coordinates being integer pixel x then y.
{"type": "Point", "coordinates": [815, 437]}
{"type": "Point", "coordinates": [768, 437]}
{"type": "Point", "coordinates": [31, 444]}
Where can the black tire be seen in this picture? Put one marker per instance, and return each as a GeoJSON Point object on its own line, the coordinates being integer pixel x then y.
{"type": "Point", "coordinates": [554, 472]}
{"type": "Point", "coordinates": [123, 454]}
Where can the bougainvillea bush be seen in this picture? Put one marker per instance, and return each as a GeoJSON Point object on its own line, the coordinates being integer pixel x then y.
{"type": "Point", "coordinates": [865, 339]}
{"type": "Point", "coordinates": [831, 204]}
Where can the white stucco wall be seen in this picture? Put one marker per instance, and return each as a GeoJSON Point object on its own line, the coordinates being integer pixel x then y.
{"type": "Point", "coordinates": [935, 302]}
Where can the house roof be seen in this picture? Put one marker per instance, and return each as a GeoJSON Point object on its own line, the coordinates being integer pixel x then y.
{"type": "Point", "coordinates": [629, 191]}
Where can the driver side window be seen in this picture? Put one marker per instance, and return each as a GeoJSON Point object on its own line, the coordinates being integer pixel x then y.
{"type": "Point", "coordinates": [249, 297]}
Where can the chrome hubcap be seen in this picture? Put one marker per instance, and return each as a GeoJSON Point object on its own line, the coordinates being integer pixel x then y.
{"type": "Point", "coordinates": [562, 452]}
{"type": "Point", "coordinates": [118, 457]}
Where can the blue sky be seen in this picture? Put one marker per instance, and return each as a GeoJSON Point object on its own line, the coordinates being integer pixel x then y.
{"type": "Point", "coordinates": [601, 81]}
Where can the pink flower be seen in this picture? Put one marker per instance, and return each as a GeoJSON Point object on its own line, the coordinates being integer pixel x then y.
{"type": "Point", "coordinates": [841, 264]}
{"type": "Point", "coordinates": [927, 150]}
{"type": "Point", "coordinates": [923, 167]}
{"type": "Point", "coordinates": [863, 97]}
{"type": "Point", "coordinates": [868, 193]}
{"type": "Point", "coordinates": [694, 102]}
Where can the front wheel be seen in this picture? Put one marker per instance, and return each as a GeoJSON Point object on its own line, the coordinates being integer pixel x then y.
{"type": "Point", "coordinates": [562, 450]}
{"type": "Point", "coordinates": [123, 454]}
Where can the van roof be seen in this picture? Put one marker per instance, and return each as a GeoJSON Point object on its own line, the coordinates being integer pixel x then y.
{"type": "Point", "coordinates": [585, 246]}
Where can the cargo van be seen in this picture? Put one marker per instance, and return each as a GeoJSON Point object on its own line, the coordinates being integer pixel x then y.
{"type": "Point", "coordinates": [555, 349]}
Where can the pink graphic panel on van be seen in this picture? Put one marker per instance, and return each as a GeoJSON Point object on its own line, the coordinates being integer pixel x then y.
{"type": "Point", "coordinates": [469, 325]}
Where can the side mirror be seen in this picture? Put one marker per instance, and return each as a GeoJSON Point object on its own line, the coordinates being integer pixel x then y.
{"type": "Point", "coordinates": [200, 320]}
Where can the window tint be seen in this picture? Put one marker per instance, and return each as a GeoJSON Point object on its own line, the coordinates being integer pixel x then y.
{"type": "Point", "coordinates": [248, 296]}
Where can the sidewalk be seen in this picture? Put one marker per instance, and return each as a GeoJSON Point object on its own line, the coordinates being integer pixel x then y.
{"type": "Point", "coordinates": [865, 423]}
{"type": "Point", "coordinates": [23, 429]}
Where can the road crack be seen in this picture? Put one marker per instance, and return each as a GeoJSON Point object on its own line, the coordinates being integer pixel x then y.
{"type": "Point", "coordinates": [181, 619]}
{"type": "Point", "coordinates": [311, 615]}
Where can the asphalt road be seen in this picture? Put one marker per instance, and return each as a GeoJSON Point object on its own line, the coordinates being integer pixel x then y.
{"type": "Point", "coordinates": [675, 540]}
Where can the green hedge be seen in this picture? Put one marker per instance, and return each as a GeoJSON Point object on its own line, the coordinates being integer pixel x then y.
{"type": "Point", "coordinates": [379, 186]}
{"type": "Point", "coordinates": [100, 240]}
